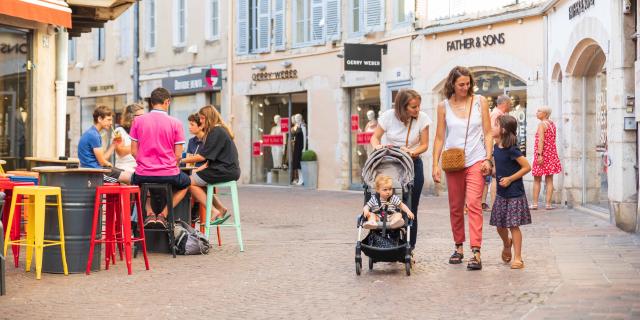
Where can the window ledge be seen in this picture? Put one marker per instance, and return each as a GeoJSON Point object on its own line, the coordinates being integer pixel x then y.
{"type": "Point", "coordinates": [212, 40]}
{"type": "Point", "coordinates": [122, 60]}
{"type": "Point", "coordinates": [178, 48]}
{"type": "Point", "coordinates": [96, 63]}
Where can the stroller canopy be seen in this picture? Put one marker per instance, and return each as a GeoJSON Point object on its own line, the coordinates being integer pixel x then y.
{"type": "Point", "coordinates": [391, 162]}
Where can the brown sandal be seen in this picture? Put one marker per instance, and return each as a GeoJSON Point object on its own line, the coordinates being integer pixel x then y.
{"type": "Point", "coordinates": [474, 262]}
{"type": "Point", "coordinates": [506, 256]}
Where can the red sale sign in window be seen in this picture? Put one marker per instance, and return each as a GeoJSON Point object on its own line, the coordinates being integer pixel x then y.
{"type": "Point", "coordinates": [355, 123]}
{"type": "Point", "coordinates": [256, 149]}
{"type": "Point", "coordinates": [284, 125]}
{"type": "Point", "coordinates": [363, 138]}
{"type": "Point", "coordinates": [272, 140]}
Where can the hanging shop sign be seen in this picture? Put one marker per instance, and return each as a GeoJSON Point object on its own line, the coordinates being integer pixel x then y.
{"type": "Point", "coordinates": [278, 75]}
{"type": "Point", "coordinates": [579, 7]}
{"type": "Point", "coordinates": [363, 138]}
{"type": "Point", "coordinates": [363, 57]}
{"type": "Point", "coordinates": [206, 80]}
{"type": "Point", "coordinates": [477, 42]}
{"type": "Point", "coordinates": [355, 123]}
{"type": "Point", "coordinates": [284, 125]}
{"type": "Point", "coordinates": [256, 148]}
{"type": "Point", "coordinates": [272, 140]}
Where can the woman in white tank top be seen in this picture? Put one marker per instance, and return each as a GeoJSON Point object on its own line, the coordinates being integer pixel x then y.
{"type": "Point", "coordinates": [460, 109]}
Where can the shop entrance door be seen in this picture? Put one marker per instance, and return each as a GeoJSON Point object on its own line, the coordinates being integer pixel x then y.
{"type": "Point", "coordinates": [276, 146]}
{"type": "Point", "coordinates": [14, 97]}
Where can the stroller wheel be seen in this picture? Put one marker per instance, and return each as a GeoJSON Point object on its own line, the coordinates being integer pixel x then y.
{"type": "Point", "coordinates": [370, 264]}
{"type": "Point", "coordinates": [358, 267]}
{"type": "Point", "coordinates": [407, 267]}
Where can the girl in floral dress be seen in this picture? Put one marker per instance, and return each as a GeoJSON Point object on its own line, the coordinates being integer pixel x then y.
{"type": "Point", "coordinates": [510, 209]}
{"type": "Point", "coordinates": [545, 160]}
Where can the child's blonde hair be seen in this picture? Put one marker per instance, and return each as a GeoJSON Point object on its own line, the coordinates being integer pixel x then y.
{"type": "Point", "coordinates": [383, 181]}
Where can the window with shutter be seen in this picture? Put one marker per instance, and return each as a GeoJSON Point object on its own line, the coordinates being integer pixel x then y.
{"type": "Point", "coordinates": [279, 35]}
{"type": "Point", "coordinates": [263, 26]}
{"type": "Point", "coordinates": [403, 12]}
{"type": "Point", "coordinates": [302, 22]}
{"type": "Point", "coordinates": [374, 15]}
{"type": "Point", "coordinates": [242, 45]}
{"type": "Point", "coordinates": [179, 23]}
{"type": "Point", "coordinates": [317, 21]}
{"type": "Point", "coordinates": [124, 26]}
{"type": "Point", "coordinates": [332, 19]}
{"type": "Point", "coordinates": [212, 20]}
{"type": "Point", "coordinates": [150, 34]}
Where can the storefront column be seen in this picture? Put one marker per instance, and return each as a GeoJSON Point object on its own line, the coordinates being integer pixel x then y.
{"type": "Point", "coordinates": [571, 145]}
{"type": "Point", "coordinates": [62, 61]}
{"type": "Point", "coordinates": [622, 154]}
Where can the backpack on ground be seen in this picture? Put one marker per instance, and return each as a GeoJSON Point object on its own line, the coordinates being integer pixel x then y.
{"type": "Point", "coordinates": [189, 240]}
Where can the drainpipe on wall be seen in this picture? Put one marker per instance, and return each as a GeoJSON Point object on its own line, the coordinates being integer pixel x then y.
{"type": "Point", "coordinates": [62, 61]}
{"type": "Point", "coordinates": [136, 52]}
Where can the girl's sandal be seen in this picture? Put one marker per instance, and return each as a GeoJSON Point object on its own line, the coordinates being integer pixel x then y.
{"type": "Point", "coordinates": [533, 207]}
{"type": "Point", "coordinates": [506, 252]}
{"type": "Point", "coordinates": [474, 262]}
{"type": "Point", "coordinates": [517, 265]}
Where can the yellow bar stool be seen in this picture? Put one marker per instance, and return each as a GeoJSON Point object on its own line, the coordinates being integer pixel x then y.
{"type": "Point", "coordinates": [35, 223]}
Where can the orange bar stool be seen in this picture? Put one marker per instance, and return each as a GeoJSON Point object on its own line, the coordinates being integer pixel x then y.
{"type": "Point", "coordinates": [118, 223]}
{"type": "Point", "coordinates": [35, 223]}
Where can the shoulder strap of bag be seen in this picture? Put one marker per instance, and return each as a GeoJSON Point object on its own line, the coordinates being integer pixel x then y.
{"type": "Point", "coordinates": [468, 120]}
{"type": "Point", "coordinates": [406, 141]}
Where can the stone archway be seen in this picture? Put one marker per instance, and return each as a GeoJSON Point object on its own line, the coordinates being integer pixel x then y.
{"type": "Point", "coordinates": [587, 103]}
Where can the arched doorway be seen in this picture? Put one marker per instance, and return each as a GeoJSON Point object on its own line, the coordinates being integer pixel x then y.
{"type": "Point", "coordinates": [589, 76]}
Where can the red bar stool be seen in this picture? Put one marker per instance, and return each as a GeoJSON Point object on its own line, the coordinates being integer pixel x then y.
{"type": "Point", "coordinates": [7, 188]}
{"type": "Point", "coordinates": [118, 223]}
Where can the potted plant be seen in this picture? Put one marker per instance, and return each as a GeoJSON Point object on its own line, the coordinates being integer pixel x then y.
{"type": "Point", "coordinates": [309, 164]}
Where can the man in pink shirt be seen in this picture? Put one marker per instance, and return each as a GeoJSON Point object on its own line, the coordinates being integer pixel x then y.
{"type": "Point", "coordinates": [503, 106]}
{"type": "Point", "coordinates": [156, 143]}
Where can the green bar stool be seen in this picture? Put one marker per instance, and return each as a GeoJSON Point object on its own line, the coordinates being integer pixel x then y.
{"type": "Point", "coordinates": [233, 187]}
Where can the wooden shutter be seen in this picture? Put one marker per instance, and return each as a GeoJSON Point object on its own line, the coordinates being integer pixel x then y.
{"type": "Point", "coordinates": [264, 26]}
{"type": "Point", "coordinates": [332, 19]}
{"type": "Point", "coordinates": [374, 15]}
{"type": "Point", "coordinates": [279, 25]}
{"type": "Point", "coordinates": [242, 45]}
{"type": "Point", "coordinates": [317, 21]}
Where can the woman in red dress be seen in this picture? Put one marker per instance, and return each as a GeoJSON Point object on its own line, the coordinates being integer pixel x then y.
{"type": "Point", "coordinates": [545, 161]}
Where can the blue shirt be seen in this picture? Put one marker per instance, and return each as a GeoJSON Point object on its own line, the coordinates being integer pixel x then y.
{"type": "Point", "coordinates": [193, 146]}
{"type": "Point", "coordinates": [506, 165]}
{"type": "Point", "coordinates": [90, 140]}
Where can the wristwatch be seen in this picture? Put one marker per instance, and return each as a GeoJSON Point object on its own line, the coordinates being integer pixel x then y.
{"type": "Point", "coordinates": [490, 161]}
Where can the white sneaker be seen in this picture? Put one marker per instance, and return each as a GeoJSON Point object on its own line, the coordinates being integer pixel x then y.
{"type": "Point", "coordinates": [300, 182]}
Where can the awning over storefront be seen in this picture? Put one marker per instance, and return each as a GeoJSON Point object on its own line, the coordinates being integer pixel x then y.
{"type": "Point", "coordinates": [55, 12]}
{"type": "Point", "coordinates": [88, 14]}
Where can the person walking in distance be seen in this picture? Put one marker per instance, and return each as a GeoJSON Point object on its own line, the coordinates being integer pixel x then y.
{"type": "Point", "coordinates": [545, 160]}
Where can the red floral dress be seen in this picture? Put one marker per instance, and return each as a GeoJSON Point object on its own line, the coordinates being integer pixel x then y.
{"type": "Point", "coordinates": [550, 163]}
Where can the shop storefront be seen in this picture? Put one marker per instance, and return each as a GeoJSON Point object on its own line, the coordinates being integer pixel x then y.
{"type": "Point", "coordinates": [15, 96]}
{"type": "Point", "coordinates": [278, 139]}
{"type": "Point", "coordinates": [501, 61]}
{"type": "Point", "coordinates": [591, 89]}
{"type": "Point", "coordinates": [365, 110]}
{"type": "Point", "coordinates": [193, 91]}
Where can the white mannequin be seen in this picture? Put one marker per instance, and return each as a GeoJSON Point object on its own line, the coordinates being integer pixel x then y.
{"type": "Point", "coordinates": [299, 123]}
{"type": "Point", "coordinates": [276, 151]}
{"type": "Point", "coordinates": [373, 122]}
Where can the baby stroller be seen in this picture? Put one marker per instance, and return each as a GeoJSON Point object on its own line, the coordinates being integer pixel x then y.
{"type": "Point", "coordinates": [383, 244]}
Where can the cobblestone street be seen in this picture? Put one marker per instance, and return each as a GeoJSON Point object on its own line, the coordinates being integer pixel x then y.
{"type": "Point", "coordinates": [299, 264]}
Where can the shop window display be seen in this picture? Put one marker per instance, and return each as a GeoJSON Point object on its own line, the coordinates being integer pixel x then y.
{"type": "Point", "coordinates": [280, 130]}
{"type": "Point", "coordinates": [365, 109]}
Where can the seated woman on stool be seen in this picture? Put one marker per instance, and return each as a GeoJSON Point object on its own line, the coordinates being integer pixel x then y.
{"type": "Point", "coordinates": [221, 160]}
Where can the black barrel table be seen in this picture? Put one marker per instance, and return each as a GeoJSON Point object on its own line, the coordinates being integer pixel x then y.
{"type": "Point", "coordinates": [78, 186]}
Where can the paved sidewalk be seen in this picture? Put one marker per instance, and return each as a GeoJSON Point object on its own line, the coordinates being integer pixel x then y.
{"type": "Point", "coordinates": [299, 264]}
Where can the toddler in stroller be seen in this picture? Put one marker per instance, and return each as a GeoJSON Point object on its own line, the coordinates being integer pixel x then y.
{"type": "Point", "coordinates": [385, 203]}
{"type": "Point", "coordinates": [386, 170]}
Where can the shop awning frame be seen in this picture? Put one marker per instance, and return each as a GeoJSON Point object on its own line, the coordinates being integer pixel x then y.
{"type": "Point", "coordinates": [55, 12]}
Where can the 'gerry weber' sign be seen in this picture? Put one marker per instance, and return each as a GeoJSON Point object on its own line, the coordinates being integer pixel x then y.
{"type": "Point", "coordinates": [477, 42]}
{"type": "Point", "coordinates": [579, 7]}
{"type": "Point", "coordinates": [207, 80]}
{"type": "Point", "coordinates": [362, 57]}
